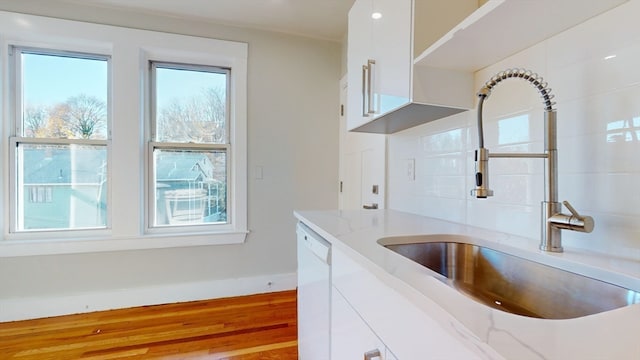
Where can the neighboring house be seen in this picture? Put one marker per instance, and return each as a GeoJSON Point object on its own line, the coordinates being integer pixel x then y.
{"type": "Point", "coordinates": [67, 188]}
{"type": "Point", "coordinates": [190, 188]}
{"type": "Point", "coordinates": [63, 188]}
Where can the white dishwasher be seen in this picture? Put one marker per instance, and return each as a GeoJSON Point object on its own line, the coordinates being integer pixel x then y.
{"type": "Point", "coordinates": [314, 295]}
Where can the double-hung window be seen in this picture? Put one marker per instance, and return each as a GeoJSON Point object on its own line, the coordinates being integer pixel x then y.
{"type": "Point", "coordinates": [59, 140]}
{"type": "Point", "coordinates": [189, 176]}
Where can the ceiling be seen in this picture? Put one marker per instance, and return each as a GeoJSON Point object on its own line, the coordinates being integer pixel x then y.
{"type": "Point", "coordinates": [323, 19]}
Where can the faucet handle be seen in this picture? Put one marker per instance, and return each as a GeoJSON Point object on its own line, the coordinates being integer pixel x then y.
{"type": "Point", "coordinates": [575, 222]}
{"type": "Point", "coordinates": [572, 210]}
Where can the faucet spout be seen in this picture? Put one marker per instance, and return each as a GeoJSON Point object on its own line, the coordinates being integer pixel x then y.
{"type": "Point", "coordinates": [552, 218]}
{"type": "Point", "coordinates": [482, 190]}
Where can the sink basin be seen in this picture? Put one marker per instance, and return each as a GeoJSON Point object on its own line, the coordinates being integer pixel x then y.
{"type": "Point", "coordinates": [514, 284]}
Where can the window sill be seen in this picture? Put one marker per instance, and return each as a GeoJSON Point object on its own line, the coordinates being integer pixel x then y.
{"type": "Point", "coordinates": [15, 248]}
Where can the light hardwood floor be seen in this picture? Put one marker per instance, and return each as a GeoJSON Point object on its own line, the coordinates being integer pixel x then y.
{"type": "Point", "coordinates": [243, 328]}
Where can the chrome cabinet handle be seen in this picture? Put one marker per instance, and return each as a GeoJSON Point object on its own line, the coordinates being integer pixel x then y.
{"type": "Point", "coordinates": [367, 89]}
{"type": "Point", "coordinates": [370, 107]}
{"type": "Point", "coordinates": [364, 90]}
{"type": "Point", "coordinates": [375, 353]}
{"type": "Point", "coordinates": [370, 207]}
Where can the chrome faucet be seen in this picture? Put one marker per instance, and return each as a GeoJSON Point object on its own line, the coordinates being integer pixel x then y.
{"type": "Point", "coordinates": [553, 220]}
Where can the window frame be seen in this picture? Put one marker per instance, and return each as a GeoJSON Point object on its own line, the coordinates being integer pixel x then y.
{"type": "Point", "coordinates": [130, 50]}
{"type": "Point", "coordinates": [153, 144]}
{"type": "Point", "coordinates": [15, 52]}
{"type": "Point", "coordinates": [235, 128]}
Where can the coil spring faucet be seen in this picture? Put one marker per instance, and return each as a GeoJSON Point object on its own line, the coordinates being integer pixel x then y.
{"type": "Point", "coordinates": [553, 220]}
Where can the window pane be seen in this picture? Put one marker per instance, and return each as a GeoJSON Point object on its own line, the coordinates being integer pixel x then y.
{"type": "Point", "coordinates": [191, 106]}
{"type": "Point", "coordinates": [64, 97]}
{"type": "Point", "coordinates": [190, 187]}
{"type": "Point", "coordinates": [61, 186]}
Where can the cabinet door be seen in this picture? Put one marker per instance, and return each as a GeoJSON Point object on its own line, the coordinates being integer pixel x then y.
{"type": "Point", "coordinates": [383, 47]}
{"type": "Point", "coordinates": [392, 53]}
{"type": "Point", "coordinates": [362, 165]}
{"type": "Point", "coordinates": [358, 53]}
{"type": "Point", "coordinates": [351, 338]}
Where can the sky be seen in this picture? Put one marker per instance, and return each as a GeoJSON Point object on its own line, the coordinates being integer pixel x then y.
{"type": "Point", "coordinates": [174, 84]}
{"type": "Point", "coordinates": [49, 80]}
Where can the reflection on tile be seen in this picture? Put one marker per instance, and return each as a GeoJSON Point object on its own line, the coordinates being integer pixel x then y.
{"type": "Point", "coordinates": [624, 130]}
{"type": "Point", "coordinates": [444, 142]}
{"type": "Point", "coordinates": [453, 164]}
{"type": "Point", "coordinates": [513, 130]}
{"type": "Point", "coordinates": [518, 189]}
{"type": "Point", "coordinates": [443, 208]}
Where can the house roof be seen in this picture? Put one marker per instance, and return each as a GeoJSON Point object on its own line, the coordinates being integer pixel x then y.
{"type": "Point", "coordinates": [54, 165]}
{"type": "Point", "coordinates": [182, 165]}
{"type": "Point", "coordinates": [45, 165]}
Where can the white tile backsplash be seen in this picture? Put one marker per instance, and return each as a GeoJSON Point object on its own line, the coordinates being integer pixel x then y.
{"type": "Point", "coordinates": [598, 102]}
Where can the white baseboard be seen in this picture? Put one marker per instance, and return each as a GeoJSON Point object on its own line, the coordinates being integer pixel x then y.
{"type": "Point", "coordinates": [46, 306]}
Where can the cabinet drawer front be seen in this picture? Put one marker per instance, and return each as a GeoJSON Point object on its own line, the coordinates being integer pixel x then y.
{"type": "Point", "coordinates": [351, 337]}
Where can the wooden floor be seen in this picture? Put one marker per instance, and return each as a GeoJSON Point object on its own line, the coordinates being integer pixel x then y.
{"type": "Point", "coordinates": [243, 328]}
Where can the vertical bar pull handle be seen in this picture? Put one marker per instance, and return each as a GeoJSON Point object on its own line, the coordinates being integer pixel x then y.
{"type": "Point", "coordinates": [375, 353]}
{"type": "Point", "coordinates": [364, 90]}
{"type": "Point", "coordinates": [370, 108]}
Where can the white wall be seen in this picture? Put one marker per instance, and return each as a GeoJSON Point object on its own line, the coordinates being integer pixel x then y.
{"type": "Point", "coordinates": [292, 135]}
{"type": "Point", "coordinates": [599, 171]}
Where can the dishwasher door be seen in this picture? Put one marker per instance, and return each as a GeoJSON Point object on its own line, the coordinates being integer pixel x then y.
{"type": "Point", "coordinates": [314, 295]}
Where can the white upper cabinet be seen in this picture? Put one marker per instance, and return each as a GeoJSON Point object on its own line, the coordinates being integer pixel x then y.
{"type": "Point", "coordinates": [381, 76]}
{"type": "Point", "coordinates": [389, 91]}
{"type": "Point", "coordinates": [379, 58]}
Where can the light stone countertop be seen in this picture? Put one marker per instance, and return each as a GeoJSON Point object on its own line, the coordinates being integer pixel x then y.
{"type": "Point", "coordinates": [603, 336]}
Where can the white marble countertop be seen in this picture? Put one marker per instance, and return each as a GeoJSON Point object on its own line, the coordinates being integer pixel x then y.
{"type": "Point", "coordinates": [608, 335]}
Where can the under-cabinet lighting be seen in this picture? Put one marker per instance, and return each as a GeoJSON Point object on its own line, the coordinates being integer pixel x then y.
{"type": "Point", "coordinates": [609, 57]}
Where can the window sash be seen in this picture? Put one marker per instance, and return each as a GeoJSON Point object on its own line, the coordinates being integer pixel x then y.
{"type": "Point", "coordinates": [17, 197]}
{"type": "Point", "coordinates": [17, 187]}
{"type": "Point", "coordinates": [153, 145]}
{"type": "Point", "coordinates": [16, 79]}
{"type": "Point", "coordinates": [151, 213]}
{"type": "Point", "coordinates": [154, 65]}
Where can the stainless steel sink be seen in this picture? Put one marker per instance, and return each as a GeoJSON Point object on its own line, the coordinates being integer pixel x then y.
{"type": "Point", "coordinates": [513, 284]}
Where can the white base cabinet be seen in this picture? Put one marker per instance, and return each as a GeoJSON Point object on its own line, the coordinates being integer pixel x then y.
{"type": "Point", "coordinates": [368, 314]}
{"type": "Point", "coordinates": [373, 316]}
{"type": "Point", "coordinates": [351, 337]}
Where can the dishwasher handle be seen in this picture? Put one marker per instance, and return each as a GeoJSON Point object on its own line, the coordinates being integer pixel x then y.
{"type": "Point", "coordinates": [320, 247]}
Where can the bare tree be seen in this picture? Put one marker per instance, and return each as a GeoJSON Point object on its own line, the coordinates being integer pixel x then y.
{"type": "Point", "coordinates": [215, 110]}
{"type": "Point", "coordinates": [200, 119]}
{"type": "Point", "coordinates": [86, 116]}
{"type": "Point", "coordinates": [57, 126]}
{"type": "Point", "coordinates": [34, 120]}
